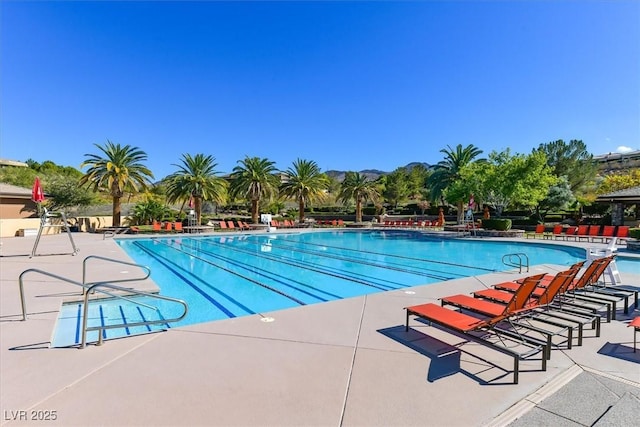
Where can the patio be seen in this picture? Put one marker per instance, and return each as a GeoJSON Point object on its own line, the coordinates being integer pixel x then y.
{"type": "Point", "coordinates": [343, 363]}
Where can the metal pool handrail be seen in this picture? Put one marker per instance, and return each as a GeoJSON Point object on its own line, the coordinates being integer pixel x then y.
{"type": "Point", "coordinates": [510, 260]}
{"type": "Point", "coordinates": [100, 328]}
{"type": "Point", "coordinates": [88, 288]}
{"type": "Point", "coordinates": [84, 269]}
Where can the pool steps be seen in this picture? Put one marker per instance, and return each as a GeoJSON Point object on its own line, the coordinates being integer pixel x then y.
{"type": "Point", "coordinates": [104, 312]}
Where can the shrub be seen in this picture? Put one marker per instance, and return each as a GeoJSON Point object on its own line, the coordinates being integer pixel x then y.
{"type": "Point", "coordinates": [496, 224]}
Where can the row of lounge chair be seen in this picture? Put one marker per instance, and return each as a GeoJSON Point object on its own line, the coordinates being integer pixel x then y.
{"type": "Point", "coordinates": [521, 318]}
{"type": "Point", "coordinates": [578, 233]}
{"type": "Point", "coordinates": [412, 224]}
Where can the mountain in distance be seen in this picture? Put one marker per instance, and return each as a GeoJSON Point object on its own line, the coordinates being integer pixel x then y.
{"type": "Point", "coordinates": [372, 174]}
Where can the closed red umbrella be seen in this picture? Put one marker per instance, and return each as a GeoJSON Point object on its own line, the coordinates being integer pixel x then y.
{"type": "Point", "coordinates": [37, 195]}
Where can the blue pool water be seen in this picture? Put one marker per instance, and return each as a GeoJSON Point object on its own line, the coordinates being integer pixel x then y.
{"type": "Point", "coordinates": [229, 276]}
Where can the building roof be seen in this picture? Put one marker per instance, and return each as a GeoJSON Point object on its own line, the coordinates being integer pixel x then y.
{"type": "Point", "coordinates": [628, 195]}
{"type": "Point", "coordinates": [8, 190]}
{"type": "Point", "coordinates": [7, 162]}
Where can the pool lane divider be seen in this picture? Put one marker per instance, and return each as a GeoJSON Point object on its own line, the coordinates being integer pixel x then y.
{"type": "Point", "coordinates": [367, 263]}
{"type": "Point", "coordinates": [453, 264]}
{"type": "Point", "coordinates": [170, 267]}
{"type": "Point", "coordinates": [259, 271]}
{"type": "Point", "coordinates": [298, 265]}
{"type": "Point", "coordinates": [307, 266]}
{"type": "Point", "coordinates": [270, 288]}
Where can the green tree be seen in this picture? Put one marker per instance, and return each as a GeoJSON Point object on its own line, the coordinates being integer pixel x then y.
{"type": "Point", "coordinates": [196, 178]}
{"type": "Point", "coordinates": [560, 196]}
{"type": "Point", "coordinates": [418, 176]}
{"type": "Point", "coordinates": [358, 188]}
{"type": "Point", "coordinates": [571, 160]}
{"type": "Point", "coordinates": [446, 172]}
{"type": "Point", "coordinates": [254, 179]}
{"type": "Point", "coordinates": [120, 170]}
{"type": "Point", "coordinates": [620, 181]}
{"type": "Point", "coordinates": [396, 187]}
{"type": "Point", "coordinates": [64, 193]}
{"type": "Point", "coordinates": [305, 183]}
{"type": "Point", "coordinates": [148, 211]}
{"type": "Point", "coordinates": [505, 179]}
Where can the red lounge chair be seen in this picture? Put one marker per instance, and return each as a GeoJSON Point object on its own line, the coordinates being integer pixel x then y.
{"type": "Point", "coordinates": [557, 231]}
{"type": "Point", "coordinates": [594, 232]}
{"type": "Point", "coordinates": [157, 226]}
{"type": "Point", "coordinates": [340, 223]}
{"type": "Point", "coordinates": [231, 225]}
{"type": "Point", "coordinates": [622, 233]}
{"type": "Point", "coordinates": [468, 325]}
{"type": "Point", "coordinates": [178, 227]}
{"type": "Point", "coordinates": [570, 233]}
{"type": "Point", "coordinates": [168, 226]}
{"type": "Point", "coordinates": [583, 232]}
{"type": "Point", "coordinates": [607, 233]}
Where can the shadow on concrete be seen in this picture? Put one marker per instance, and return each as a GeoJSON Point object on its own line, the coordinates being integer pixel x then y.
{"type": "Point", "coordinates": [445, 359]}
{"type": "Point", "coordinates": [620, 351]}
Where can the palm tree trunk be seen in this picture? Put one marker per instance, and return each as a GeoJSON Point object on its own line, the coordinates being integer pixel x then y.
{"type": "Point", "coordinates": [254, 211]}
{"type": "Point", "coordinates": [358, 210]}
{"type": "Point", "coordinates": [301, 209]}
{"type": "Point", "coordinates": [116, 212]}
{"type": "Point", "coordinates": [460, 211]}
{"type": "Point", "coordinates": [198, 208]}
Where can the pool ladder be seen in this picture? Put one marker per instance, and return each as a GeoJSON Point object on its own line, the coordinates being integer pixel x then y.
{"type": "Point", "coordinates": [89, 288]}
{"type": "Point", "coordinates": [518, 260]}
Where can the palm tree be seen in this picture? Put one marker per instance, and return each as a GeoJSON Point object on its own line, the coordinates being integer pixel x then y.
{"type": "Point", "coordinates": [305, 183]}
{"type": "Point", "coordinates": [447, 171]}
{"type": "Point", "coordinates": [120, 171]}
{"type": "Point", "coordinates": [357, 187]}
{"type": "Point", "coordinates": [196, 178]}
{"type": "Point", "coordinates": [254, 179]}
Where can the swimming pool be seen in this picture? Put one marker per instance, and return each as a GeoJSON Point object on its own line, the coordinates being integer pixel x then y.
{"type": "Point", "coordinates": [228, 276]}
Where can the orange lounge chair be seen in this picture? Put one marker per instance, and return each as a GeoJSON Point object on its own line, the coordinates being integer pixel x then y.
{"type": "Point", "coordinates": [177, 226]}
{"type": "Point", "coordinates": [539, 231]}
{"type": "Point", "coordinates": [469, 325]}
{"type": "Point", "coordinates": [157, 226]}
{"type": "Point", "coordinates": [570, 233]}
{"type": "Point", "coordinates": [168, 226]}
{"type": "Point", "coordinates": [223, 225]}
{"type": "Point", "coordinates": [518, 301]}
{"type": "Point", "coordinates": [635, 324]}
{"type": "Point", "coordinates": [231, 225]}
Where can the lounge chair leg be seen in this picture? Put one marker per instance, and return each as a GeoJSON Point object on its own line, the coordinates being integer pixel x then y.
{"type": "Point", "coordinates": [406, 325]}
{"type": "Point", "coordinates": [580, 332]}
{"type": "Point", "coordinates": [569, 338]}
{"type": "Point", "coordinates": [516, 368]}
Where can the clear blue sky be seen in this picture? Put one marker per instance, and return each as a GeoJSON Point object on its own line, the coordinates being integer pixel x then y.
{"type": "Point", "coordinates": [351, 85]}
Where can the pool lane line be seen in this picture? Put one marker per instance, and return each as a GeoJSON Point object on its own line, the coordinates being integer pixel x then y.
{"type": "Point", "coordinates": [453, 264]}
{"type": "Point", "coordinates": [368, 263]}
{"type": "Point", "coordinates": [318, 270]}
{"type": "Point", "coordinates": [208, 297]}
{"type": "Point", "coordinates": [259, 271]}
{"type": "Point", "coordinates": [265, 286]}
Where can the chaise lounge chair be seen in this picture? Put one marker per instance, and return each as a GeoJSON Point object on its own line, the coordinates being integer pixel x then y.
{"type": "Point", "coordinates": [483, 330]}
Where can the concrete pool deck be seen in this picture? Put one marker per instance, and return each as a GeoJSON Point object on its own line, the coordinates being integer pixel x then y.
{"type": "Point", "coordinates": [342, 363]}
